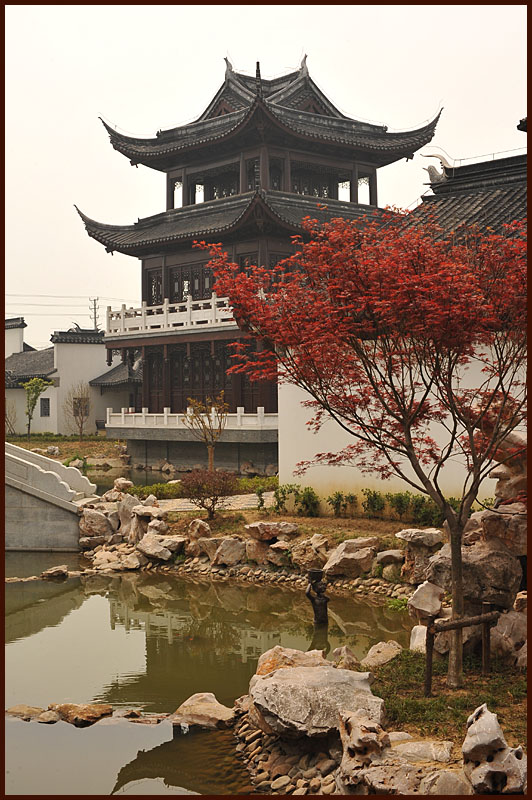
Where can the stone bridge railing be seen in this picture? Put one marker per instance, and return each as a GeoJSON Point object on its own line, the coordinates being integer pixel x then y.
{"type": "Point", "coordinates": [213, 312]}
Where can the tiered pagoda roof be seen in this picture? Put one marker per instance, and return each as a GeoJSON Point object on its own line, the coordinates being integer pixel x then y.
{"type": "Point", "coordinates": [226, 215]}
{"type": "Point", "coordinates": [293, 111]}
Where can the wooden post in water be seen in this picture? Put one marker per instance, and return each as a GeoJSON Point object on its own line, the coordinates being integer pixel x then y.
{"type": "Point", "coordinates": [429, 647]}
{"type": "Point", "coordinates": [486, 641]}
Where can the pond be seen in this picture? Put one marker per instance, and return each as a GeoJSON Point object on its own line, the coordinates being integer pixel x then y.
{"type": "Point", "coordinates": [147, 641]}
{"type": "Point", "coordinates": [104, 479]}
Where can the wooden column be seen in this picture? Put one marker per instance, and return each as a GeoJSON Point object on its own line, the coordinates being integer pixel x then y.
{"type": "Point", "coordinates": [373, 188]}
{"type": "Point", "coordinates": [353, 188]}
{"type": "Point", "coordinates": [264, 168]}
{"type": "Point", "coordinates": [170, 187]}
{"type": "Point", "coordinates": [287, 176]}
{"type": "Point", "coordinates": [243, 176]}
{"type": "Point", "coordinates": [165, 280]}
{"type": "Point", "coordinates": [145, 379]}
{"type": "Point", "coordinates": [184, 183]}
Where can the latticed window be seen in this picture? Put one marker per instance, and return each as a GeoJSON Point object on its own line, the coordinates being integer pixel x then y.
{"type": "Point", "coordinates": [45, 406]}
{"type": "Point", "coordinates": [311, 183]}
{"type": "Point", "coordinates": [276, 177]}
{"type": "Point", "coordinates": [154, 287]}
{"type": "Point", "coordinates": [253, 174]}
{"type": "Point", "coordinates": [224, 186]}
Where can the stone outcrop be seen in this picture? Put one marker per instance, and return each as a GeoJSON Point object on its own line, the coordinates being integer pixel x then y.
{"type": "Point", "coordinates": [229, 552]}
{"type": "Point", "coordinates": [350, 558]}
{"type": "Point", "coordinates": [94, 523]}
{"type": "Point", "coordinates": [279, 554]}
{"type": "Point", "coordinates": [306, 556]}
{"type": "Point", "coordinates": [257, 552]}
{"type": "Point", "coordinates": [202, 710]}
{"type": "Point", "coordinates": [81, 714]}
{"type": "Point", "coordinates": [124, 509]}
{"type": "Point", "coordinates": [305, 701]}
{"type": "Point", "coordinates": [420, 546]}
{"type": "Point", "coordinates": [489, 764]}
{"type": "Point", "coordinates": [491, 573]}
{"type": "Point", "coordinates": [152, 547]}
{"type": "Point", "coordinates": [209, 545]}
{"type": "Point", "coordinates": [509, 524]}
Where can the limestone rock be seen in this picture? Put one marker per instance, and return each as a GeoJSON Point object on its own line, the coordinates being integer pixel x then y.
{"type": "Point", "coordinates": [61, 571]}
{"type": "Point", "coordinates": [509, 634]}
{"type": "Point", "coordinates": [306, 557]}
{"type": "Point", "coordinates": [344, 658]}
{"type": "Point", "coordinates": [25, 712]}
{"type": "Point", "coordinates": [203, 710]}
{"type": "Point", "coordinates": [281, 657]}
{"type": "Point", "coordinates": [157, 526]}
{"type": "Point", "coordinates": [48, 717]}
{"type": "Point", "coordinates": [445, 782]}
{"type": "Point", "coordinates": [279, 554]}
{"type": "Point", "coordinates": [484, 735]}
{"type": "Point", "coordinates": [229, 552]}
{"type": "Point", "coordinates": [122, 484]}
{"type": "Point", "coordinates": [420, 546]}
{"type": "Point", "coordinates": [151, 547]}
{"type": "Point", "coordinates": [268, 531]}
{"type": "Point", "coordinates": [77, 463]}
{"type": "Point", "coordinates": [365, 541]}
{"type": "Point", "coordinates": [520, 602]}
{"type": "Point", "coordinates": [425, 750]}
{"type": "Point", "coordinates": [94, 523]}
{"type": "Point", "coordinates": [257, 551]}
{"type": "Point", "coordinates": [489, 764]}
{"type": "Point", "coordinates": [380, 654]}
{"type": "Point", "coordinates": [151, 511]}
{"type": "Point", "coordinates": [418, 639]}
{"type": "Point", "coordinates": [198, 528]}
{"type": "Point", "coordinates": [521, 659]}
{"type": "Point", "coordinates": [425, 602]}
{"type": "Point", "coordinates": [305, 701]}
{"type": "Point", "coordinates": [361, 737]}
{"type": "Point", "coordinates": [52, 450]}
{"type": "Point", "coordinates": [349, 559]}
{"type": "Point", "coordinates": [90, 542]}
{"type": "Point", "coordinates": [151, 500]}
{"type": "Point", "coordinates": [131, 561]}
{"type": "Point", "coordinates": [386, 557]}
{"type": "Point", "coordinates": [490, 572]}
{"type": "Point", "coordinates": [508, 523]}
{"type": "Point", "coordinates": [175, 544]}
{"type": "Point", "coordinates": [124, 509]}
{"type": "Point", "coordinates": [81, 714]}
{"type": "Point", "coordinates": [392, 573]}
{"type": "Point", "coordinates": [210, 545]}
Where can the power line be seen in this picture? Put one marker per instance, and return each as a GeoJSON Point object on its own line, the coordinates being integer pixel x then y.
{"type": "Point", "coordinates": [67, 296]}
{"type": "Point", "coordinates": [42, 305]}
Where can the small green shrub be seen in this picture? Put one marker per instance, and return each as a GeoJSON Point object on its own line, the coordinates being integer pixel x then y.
{"type": "Point", "coordinates": [308, 503]}
{"type": "Point", "coordinates": [397, 603]}
{"type": "Point", "coordinates": [377, 571]}
{"type": "Point", "coordinates": [73, 458]}
{"type": "Point", "coordinates": [208, 490]}
{"type": "Point", "coordinates": [374, 503]}
{"type": "Point", "coordinates": [260, 499]}
{"type": "Point", "coordinates": [336, 501]}
{"type": "Point", "coordinates": [282, 493]}
{"type": "Point", "coordinates": [251, 485]}
{"type": "Point", "coordinates": [399, 502]}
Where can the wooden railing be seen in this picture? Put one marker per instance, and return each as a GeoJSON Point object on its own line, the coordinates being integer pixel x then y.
{"type": "Point", "coordinates": [212, 312]}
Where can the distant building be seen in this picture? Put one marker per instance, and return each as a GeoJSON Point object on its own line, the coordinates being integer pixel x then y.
{"type": "Point", "coordinates": [77, 355]}
{"type": "Point", "coordinates": [261, 157]}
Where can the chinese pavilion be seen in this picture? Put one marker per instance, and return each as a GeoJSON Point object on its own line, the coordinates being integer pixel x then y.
{"type": "Point", "coordinates": [262, 156]}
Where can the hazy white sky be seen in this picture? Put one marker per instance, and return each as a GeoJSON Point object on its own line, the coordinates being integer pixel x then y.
{"type": "Point", "coordinates": [145, 68]}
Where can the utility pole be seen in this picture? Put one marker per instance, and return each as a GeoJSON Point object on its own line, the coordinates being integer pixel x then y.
{"type": "Point", "coordinates": [94, 310]}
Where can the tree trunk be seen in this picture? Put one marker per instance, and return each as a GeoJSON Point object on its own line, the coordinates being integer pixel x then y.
{"type": "Point", "coordinates": [454, 672]}
{"type": "Point", "coordinates": [210, 450]}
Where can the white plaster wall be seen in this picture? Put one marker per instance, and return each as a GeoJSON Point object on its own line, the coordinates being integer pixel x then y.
{"type": "Point", "coordinates": [14, 342]}
{"type": "Point", "coordinates": [298, 443]}
{"type": "Point", "coordinates": [75, 363]}
{"type": "Point", "coordinates": [17, 397]}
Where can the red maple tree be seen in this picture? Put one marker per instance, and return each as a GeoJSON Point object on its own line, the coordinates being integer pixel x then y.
{"type": "Point", "coordinates": [381, 323]}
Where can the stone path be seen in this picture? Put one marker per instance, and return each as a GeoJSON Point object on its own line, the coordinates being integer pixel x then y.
{"type": "Point", "coordinates": [235, 503]}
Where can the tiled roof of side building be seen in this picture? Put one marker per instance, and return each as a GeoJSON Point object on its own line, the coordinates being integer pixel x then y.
{"type": "Point", "coordinates": [79, 336]}
{"type": "Point", "coordinates": [15, 322]}
{"type": "Point", "coordinates": [217, 217]}
{"type": "Point", "coordinates": [119, 375]}
{"type": "Point", "coordinates": [486, 208]}
{"type": "Point", "coordinates": [30, 364]}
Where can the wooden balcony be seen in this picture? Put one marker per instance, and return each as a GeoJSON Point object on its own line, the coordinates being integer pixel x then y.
{"type": "Point", "coordinates": [214, 313]}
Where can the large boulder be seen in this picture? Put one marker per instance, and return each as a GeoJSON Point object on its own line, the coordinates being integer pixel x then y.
{"type": "Point", "coordinates": [280, 554]}
{"type": "Point", "coordinates": [94, 523]}
{"type": "Point", "coordinates": [124, 509]}
{"type": "Point", "coordinates": [491, 573]}
{"type": "Point", "coordinates": [202, 710]}
{"type": "Point", "coordinates": [420, 546]}
{"type": "Point", "coordinates": [386, 557]}
{"type": "Point", "coordinates": [418, 639]}
{"type": "Point", "coordinates": [508, 523]}
{"type": "Point", "coordinates": [281, 657]}
{"type": "Point", "coordinates": [349, 559]}
{"type": "Point", "coordinates": [257, 551]}
{"type": "Point", "coordinates": [305, 701]}
{"type": "Point", "coordinates": [151, 546]}
{"type": "Point", "coordinates": [209, 545]}
{"type": "Point", "coordinates": [229, 552]}
{"type": "Point", "coordinates": [268, 531]}
{"type": "Point", "coordinates": [425, 602]}
{"type": "Point", "coordinates": [509, 635]}
{"type": "Point", "coordinates": [489, 764]}
{"type": "Point", "coordinates": [446, 782]}
{"type": "Point", "coordinates": [306, 557]}
{"type": "Point", "coordinates": [198, 528]}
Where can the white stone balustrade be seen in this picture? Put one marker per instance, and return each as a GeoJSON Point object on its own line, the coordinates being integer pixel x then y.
{"type": "Point", "coordinates": [210, 313]}
{"type": "Point", "coordinates": [127, 418]}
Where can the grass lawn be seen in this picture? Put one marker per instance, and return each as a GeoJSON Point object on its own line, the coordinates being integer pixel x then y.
{"type": "Point", "coordinates": [444, 716]}
{"type": "Point", "coordinates": [69, 446]}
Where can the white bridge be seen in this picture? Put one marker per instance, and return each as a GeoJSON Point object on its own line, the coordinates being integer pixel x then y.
{"type": "Point", "coordinates": [170, 317]}
{"type": "Point", "coordinates": [43, 500]}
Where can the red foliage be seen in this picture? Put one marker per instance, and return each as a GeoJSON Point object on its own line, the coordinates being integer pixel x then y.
{"type": "Point", "coordinates": [378, 321]}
